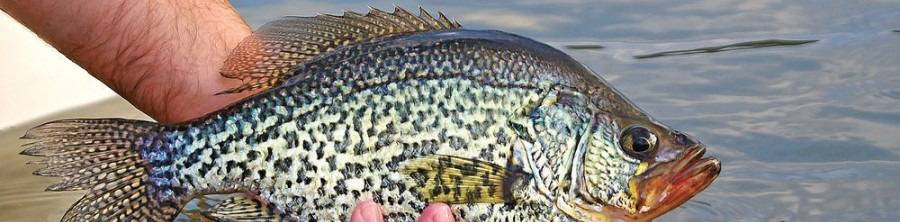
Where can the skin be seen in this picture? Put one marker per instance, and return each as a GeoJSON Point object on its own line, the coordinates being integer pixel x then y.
{"type": "Point", "coordinates": [162, 56]}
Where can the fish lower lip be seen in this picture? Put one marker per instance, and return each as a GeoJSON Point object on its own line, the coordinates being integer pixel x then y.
{"type": "Point", "coordinates": [676, 182]}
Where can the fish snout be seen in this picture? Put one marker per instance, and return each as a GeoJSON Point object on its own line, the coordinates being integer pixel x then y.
{"type": "Point", "coordinates": [668, 184]}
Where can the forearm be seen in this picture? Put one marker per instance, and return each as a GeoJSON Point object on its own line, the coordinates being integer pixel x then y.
{"type": "Point", "coordinates": [163, 56]}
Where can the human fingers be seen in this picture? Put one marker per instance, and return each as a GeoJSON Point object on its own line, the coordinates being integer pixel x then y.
{"type": "Point", "coordinates": [367, 211]}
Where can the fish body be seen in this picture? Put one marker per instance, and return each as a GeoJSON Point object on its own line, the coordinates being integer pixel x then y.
{"type": "Point", "coordinates": [334, 143]}
{"type": "Point", "coordinates": [501, 127]}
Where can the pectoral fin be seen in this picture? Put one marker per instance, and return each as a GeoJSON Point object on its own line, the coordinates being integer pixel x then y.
{"type": "Point", "coordinates": [456, 180]}
{"type": "Point", "coordinates": [241, 208]}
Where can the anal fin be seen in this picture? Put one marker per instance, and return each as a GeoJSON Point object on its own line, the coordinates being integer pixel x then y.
{"type": "Point", "coordinates": [241, 208]}
{"type": "Point", "coordinates": [458, 180]}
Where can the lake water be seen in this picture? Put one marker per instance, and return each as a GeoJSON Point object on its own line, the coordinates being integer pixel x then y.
{"type": "Point", "coordinates": [806, 132]}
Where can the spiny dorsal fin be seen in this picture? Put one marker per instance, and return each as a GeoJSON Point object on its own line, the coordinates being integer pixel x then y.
{"type": "Point", "coordinates": [241, 208]}
{"type": "Point", "coordinates": [458, 180]}
{"type": "Point", "coordinates": [264, 59]}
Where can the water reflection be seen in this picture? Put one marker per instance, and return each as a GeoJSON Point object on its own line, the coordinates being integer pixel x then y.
{"type": "Point", "coordinates": [583, 46]}
{"type": "Point", "coordinates": [805, 133]}
{"type": "Point", "coordinates": [729, 47]}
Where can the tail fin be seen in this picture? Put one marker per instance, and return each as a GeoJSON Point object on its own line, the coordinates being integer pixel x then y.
{"type": "Point", "coordinates": [105, 157]}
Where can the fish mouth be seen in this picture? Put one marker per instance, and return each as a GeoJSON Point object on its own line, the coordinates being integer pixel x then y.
{"type": "Point", "coordinates": [668, 185]}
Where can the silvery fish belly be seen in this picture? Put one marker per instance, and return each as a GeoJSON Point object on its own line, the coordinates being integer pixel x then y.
{"type": "Point", "coordinates": [398, 108]}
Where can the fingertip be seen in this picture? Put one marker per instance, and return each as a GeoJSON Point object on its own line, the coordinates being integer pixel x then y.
{"type": "Point", "coordinates": [437, 212]}
{"type": "Point", "coordinates": [367, 211]}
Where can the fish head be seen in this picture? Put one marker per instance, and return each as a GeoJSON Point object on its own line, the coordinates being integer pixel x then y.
{"type": "Point", "coordinates": [633, 168]}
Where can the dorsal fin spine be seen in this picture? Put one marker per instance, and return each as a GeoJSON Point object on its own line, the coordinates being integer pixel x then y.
{"type": "Point", "coordinates": [418, 23]}
{"type": "Point", "coordinates": [445, 22]}
{"type": "Point", "coordinates": [398, 21]}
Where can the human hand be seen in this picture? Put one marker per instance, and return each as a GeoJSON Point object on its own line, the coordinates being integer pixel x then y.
{"type": "Point", "coordinates": [163, 56]}
{"type": "Point", "coordinates": [369, 211]}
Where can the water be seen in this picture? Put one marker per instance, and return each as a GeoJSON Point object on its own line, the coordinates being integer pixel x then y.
{"type": "Point", "coordinates": [805, 132]}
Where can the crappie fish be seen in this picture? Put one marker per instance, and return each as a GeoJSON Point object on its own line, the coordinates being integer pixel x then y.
{"type": "Point", "coordinates": [399, 108]}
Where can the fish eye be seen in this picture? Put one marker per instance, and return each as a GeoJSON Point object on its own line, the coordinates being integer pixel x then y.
{"type": "Point", "coordinates": [638, 141]}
